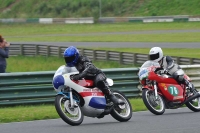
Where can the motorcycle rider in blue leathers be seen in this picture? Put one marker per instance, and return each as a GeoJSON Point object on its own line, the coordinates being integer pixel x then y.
{"type": "Point", "coordinates": [88, 71]}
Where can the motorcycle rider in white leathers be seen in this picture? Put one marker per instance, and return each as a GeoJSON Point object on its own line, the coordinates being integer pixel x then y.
{"type": "Point", "coordinates": [170, 67]}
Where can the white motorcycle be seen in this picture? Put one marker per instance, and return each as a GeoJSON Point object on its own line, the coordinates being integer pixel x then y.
{"type": "Point", "coordinates": [76, 99]}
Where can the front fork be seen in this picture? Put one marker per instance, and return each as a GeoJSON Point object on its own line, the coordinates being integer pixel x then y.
{"type": "Point", "coordinates": [73, 103]}
{"type": "Point", "coordinates": [69, 96]}
{"type": "Point", "coordinates": [155, 89]}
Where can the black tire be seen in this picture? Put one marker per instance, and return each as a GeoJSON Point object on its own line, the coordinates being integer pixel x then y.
{"type": "Point", "coordinates": [149, 105]}
{"type": "Point", "coordinates": [116, 112]}
{"type": "Point", "coordinates": [192, 105]}
{"type": "Point", "coordinates": [59, 100]}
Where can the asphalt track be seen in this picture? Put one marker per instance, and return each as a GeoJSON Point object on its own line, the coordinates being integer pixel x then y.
{"type": "Point", "coordinates": [172, 121]}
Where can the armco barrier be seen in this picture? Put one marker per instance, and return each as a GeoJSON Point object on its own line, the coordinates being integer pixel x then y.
{"type": "Point", "coordinates": [90, 20]}
{"type": "Point", "coordinates": [86, 20]}
{"type": "Point", "coordinates": [150, 19]}
{"type": "Point", "coordinates": [36, 87]}
{"type": "Point", "coordinates": [121, 57]}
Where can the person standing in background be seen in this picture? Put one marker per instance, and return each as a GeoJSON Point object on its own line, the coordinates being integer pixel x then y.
{"type": "Point", "coordinates": [4, 53]}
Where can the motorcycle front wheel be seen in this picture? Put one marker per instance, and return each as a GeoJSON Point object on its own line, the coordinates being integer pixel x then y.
{"type": "Point", "coordinates": [71, 115]}
{"type": "Point", "coordinates": [156, 106]}
{"type": "Point", "coordinates": [123, 112]}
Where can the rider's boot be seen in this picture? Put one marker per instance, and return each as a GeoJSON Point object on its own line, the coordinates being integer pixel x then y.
{"type": "Point", "coordinates": [106, 90]}
{"type": "Point", "coordinates": [114, 99]}
{"type": "Point", "coordinates": [190, 87]}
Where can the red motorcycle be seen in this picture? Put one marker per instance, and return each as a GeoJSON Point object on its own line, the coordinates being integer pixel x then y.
{"type": "Point", "coordinates": [161, 91]}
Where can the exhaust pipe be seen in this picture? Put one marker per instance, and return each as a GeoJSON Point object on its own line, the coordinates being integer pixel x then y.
{"type": "Point", "coordinates": [192, 97]}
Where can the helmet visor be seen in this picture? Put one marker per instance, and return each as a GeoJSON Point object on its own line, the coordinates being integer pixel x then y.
{"type": "Point", "coordinates": [70, 59]}
{"type": "Point", "coordinates": [154, 56]}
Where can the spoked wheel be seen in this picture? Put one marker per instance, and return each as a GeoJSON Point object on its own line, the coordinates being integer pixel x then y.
{"type": "Point", "coordinates": [71, 115]}
{"type": "Point", "coordinates": [194, 105]}
{"type": "Point", "coordinates": [123, 112]}
{"type": "Point", "coordinates": [156, 106]}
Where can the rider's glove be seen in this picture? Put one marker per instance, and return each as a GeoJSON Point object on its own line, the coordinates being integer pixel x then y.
{"type": "Point", "coordinates": [75, 77]}
{"type": "Point", "coordinates": [165, 71]}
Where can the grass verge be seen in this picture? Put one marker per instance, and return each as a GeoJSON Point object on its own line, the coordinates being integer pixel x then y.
{"type": "Point", "coordinates": [42, 63]}
{"type": "Point", "coordinates": [65, 32]}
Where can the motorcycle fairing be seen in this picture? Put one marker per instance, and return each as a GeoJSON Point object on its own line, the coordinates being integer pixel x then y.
{"type": "Point", "coordinates": [161, 78]}
{"type": "Point", "coordinates": [85, 83]}
{"type": "Point", "coordinates": [173, 92]}
{"type": "Point", "coordinates": [168, 86]}
{"type": "Point", "coordinates": [98, 102]}
{"type": "Point", "coordinates": [91, 93]}
{"type": "Point", "coordinates": [58, 81]}
{"type": "Point", "coordinates": [95, 98]}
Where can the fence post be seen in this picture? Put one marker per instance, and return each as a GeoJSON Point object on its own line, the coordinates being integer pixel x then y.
{"type": "Point", "coordinates": [21, 49]}
{"type": "Point", "coordinates": [94, 54]}
{"type": "Point", "coordinates": [134, 59]}
{"type": "Point", "coordinates": [107, 56]}
{"type": "Point", "coordinates": [36, 50]}
{"type": "Point", "coordinates": [59, 52]}
{"type": "Point", "coordinates": [177, 60]}
{"type": "Point", "coordinates": [148, 57]}
{"type": "Point", "coordinates": [191, 61]}
{"type": "Point", "coordinates": [121, 57]}
{"type": "Point", "coordinates": [81, 51]}
{"type": "Point", "coordinates": [48, 51]}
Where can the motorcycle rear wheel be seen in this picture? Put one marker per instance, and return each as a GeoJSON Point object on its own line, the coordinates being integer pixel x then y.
{"type": "Point", "coordinates": [157, 107]}
{"type": "Point", "coordinates": [72, 116]}
{"type": "Point", "coordinates": [194, 105]}
{"type": "Point", "coordinates": [123, 112]}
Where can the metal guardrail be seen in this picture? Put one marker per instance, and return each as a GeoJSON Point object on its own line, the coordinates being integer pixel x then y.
{"type": "Point", "coordinates": [150, 19]}
{"type": "Point", "coordinates": [90, 20]}
{"type": "Point", "coordinates": [86, 20]}
{"type": "Point", "coordinates": [36, 87]}
{"type": "Point", "coordinates": [121, 57]}
{"type": "Point", "coordinates": [193, 71]}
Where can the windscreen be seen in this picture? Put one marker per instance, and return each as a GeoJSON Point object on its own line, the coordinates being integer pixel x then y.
{"type": "Point", "coordinates": [149, 63]}
{"type": "Point", "coordinates": [64, 69]}
{"type": "Point", "coordinates": [143, 72]}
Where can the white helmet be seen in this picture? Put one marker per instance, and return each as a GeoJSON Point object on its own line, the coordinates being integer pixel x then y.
{"type": "Point", "coordinates": [156, 54]}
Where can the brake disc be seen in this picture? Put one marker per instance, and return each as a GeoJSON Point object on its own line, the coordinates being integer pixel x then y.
{"type": "Point", "coordinates": [71, 110]}
{"type": "Point", "coordinates": [153, 101]}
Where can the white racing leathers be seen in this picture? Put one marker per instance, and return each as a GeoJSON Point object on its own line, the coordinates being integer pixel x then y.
{"type": "Point", "coordinates": [173, 69]}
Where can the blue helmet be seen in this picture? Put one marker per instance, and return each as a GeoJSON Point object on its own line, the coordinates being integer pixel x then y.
{"type": "Point", "coordinates": [71, 55]}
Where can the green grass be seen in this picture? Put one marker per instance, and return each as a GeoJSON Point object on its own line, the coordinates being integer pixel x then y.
{"type": "Point", "coordinates": [90, 8]}
{"type": "Point", "coordinates": [84, 33]}
{"type": "Point", "coordinates": [166, 7]}
{"type": "Point", "coordinates": [175, 37]}
{"type": "Point", "coordinates": [47, 111]}
{"type": "Point", "coordinates": [27, 113]}
{"type": "Point", "coordinates": [24, 30]}
{"type": "Point", "coordinates": [6, 3]}
{"type": "Point", "coordinates": [40, 63]}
